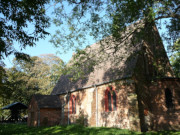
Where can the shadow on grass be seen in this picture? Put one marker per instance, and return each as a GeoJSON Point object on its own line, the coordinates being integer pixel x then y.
{"type": "Point", "coordinates": [80, 130]}
{"type": "Point", "coordinates": [21, 129]}
{"type": "Point", "coordinates": [162, 133]}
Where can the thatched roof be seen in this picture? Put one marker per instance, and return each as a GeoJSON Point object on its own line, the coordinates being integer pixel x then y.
{"type": "Point", "coordinates": [47, 101]}
{"type": "Point", "coordinates": [117, 61]}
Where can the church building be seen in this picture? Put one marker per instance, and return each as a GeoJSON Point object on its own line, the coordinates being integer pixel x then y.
{"type": "Point", "coordinates": [132, 87]}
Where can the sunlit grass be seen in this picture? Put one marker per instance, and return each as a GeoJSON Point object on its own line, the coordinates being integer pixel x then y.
{"type": "Point", "coordinates": [22, 129]}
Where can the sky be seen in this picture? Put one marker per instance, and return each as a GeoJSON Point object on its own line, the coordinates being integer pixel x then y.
{"type": "Point", "coordinates": [43, 46]}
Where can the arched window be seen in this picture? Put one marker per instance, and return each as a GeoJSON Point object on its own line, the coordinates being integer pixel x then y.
{"type": "Point", "coordinates": [168, 98]}
{"type": "Point", "coordinates": [110, 99]}
{"type": "Point", "coordinates": [72, 105]}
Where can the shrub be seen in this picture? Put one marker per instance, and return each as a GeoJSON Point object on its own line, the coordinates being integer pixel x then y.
{"type": "Point", "coordinates": [82, 120]}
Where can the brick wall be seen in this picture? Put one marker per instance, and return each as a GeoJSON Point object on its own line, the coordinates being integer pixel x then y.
{"type": "Point", "coordinates": [84, 105]}
{"type": "Point", "coordinates": [152, 62]}
{"type": "Point", "coordinates": [50, 117]}
{"type": "Point", "coordinates": [126, 116]}
{"type": "Point", "coordinates": [33, 113]}
{"type": "Point", "coordinates": [42, 116]}
{"type": "Point", "coordinates": [163, 117]}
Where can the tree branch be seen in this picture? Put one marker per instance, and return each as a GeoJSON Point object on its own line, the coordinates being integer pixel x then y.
{"type": "Point", "coordinates": [73, 1]}
{"type": "Point", "coordinates": [171, 13]}
{"type": "Point", "coordinates": [177, 9]}
{"type": "Point", "coordinates": [168, 16]}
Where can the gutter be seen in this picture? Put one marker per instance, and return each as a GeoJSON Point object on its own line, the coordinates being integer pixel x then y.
{"type": "Point", "coordinates": [90, 86]}
{"type": "Point", "coordinates": [96, 106]}
{"type": "Point", "coordinates": [62, 111]}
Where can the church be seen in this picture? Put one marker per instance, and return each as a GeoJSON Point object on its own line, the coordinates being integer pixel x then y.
{"type": "Point", "coordinates": [133, 87]}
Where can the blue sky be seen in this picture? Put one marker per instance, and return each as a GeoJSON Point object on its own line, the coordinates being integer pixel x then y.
{"type": "Point", "coordinates": [43, 46]}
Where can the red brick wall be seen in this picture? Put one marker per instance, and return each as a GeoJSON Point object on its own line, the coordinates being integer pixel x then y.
{"type": "Point", "coordinates": [126, 116]}
{"type": "Point", "coordinates": [49, 117]}
{"type": "Point", "coordinates": [33, 113]}
{"type": "Point", "coordinates": [157, 117]}
{"type": "Point", "coordinates": [155, 61]}
{"type": "Point", "coordinates": [45, 117]}
{"type": "Point", "coordinates": [152, 62]}
{"type": "Point", "coordinates": [162, 117]}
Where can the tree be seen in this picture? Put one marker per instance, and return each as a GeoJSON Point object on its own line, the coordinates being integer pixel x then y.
{"type": "Point", "coordinates": [175, 58]}
{"type": "Point", "coordinates": [48, 68]}
{"type": "Point", "coordinates": [3, 79]}
{"type": "Point", "coordinates": [2, 73]}
{"type": "Point", "coordinates": [26, 78]}
{"type": "Point", "coordinates": [21, 21]}
{"type": "Point", "coordinates": [13, 90]}
{"type": "Point", "coordinates": [55, 66]}
{"type": "Point", "coordinates": [17, 87]}
{"type": "Point", "coordinates": [102, 18]}
{"type": "Point", "coordinates": [40, 74]}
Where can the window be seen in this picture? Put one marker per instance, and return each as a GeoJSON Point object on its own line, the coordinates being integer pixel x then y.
{"type": "Point", "coordinates": [114, 100]}
{"type": "Point", "coordinates": [110, 99]}
{"type": "Point", "coordinates": [72, 105]}
{"type": "Point", "coordinates": [168, 98]}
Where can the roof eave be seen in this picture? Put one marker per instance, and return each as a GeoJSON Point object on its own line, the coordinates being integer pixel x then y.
{"type": "Point", "coordinates": [73, 90]}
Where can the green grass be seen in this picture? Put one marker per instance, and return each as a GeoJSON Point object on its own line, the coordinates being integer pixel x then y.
{"type": "Point", "coordinates": [22, 129]}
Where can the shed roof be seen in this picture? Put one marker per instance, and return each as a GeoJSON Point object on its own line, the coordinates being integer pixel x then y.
{"type": "Point", "coordinates": [118, 62]}
{"type": "Point", "coordinates": [47, 101]}
{"type": "Point", "coordinates": [15, 105]}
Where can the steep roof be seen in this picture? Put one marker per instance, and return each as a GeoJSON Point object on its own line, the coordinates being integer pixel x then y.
{"type": "Point", "coordinates": [118, 60]}
{"type": "Point", "coordinates": [47, 101]}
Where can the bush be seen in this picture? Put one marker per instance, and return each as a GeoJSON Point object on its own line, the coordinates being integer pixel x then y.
{"type": "Point", "coordinates": [82, 120]}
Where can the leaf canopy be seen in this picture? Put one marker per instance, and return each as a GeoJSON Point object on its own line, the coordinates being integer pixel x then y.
{"type": "Point", "coordinates": [21, 21]}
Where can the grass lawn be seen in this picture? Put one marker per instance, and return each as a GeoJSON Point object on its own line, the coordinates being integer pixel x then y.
{"type": "Point", "coordinates": [22, 129]}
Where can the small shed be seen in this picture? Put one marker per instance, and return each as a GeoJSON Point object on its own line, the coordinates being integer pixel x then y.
{"type": "Point", "coordinates": [44, 110]}
{"type": "Point", "coordinates": [15, 109]}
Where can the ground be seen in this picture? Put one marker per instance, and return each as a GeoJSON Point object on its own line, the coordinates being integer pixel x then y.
{"type": "Point", "coordinates": [23, 129]}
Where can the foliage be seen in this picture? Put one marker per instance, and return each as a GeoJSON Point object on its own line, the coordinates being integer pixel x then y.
{"type": "Point", "coordinates": [175, 58]}
{"type": "Point", "coordinates": [100, 19]}
{"type": "Point", "coordinates": [21, 21]}
{"type": "Point", "coordinates": [2, 73]}
{"type": "Point", "coordinates": [80, 65]}
{"type": "Point", "coordinates": [82, 119]}
{"type": "Point", "coordinates": [56, 66]}
{"type": "Point", "coordinates": [26, 78]}
{"type": "Point", "coordinates": [40, 73]}
{"type": "Point", "coordinates": [73, 130]}
{"type": "Point", "coordinates": [3, 93]}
